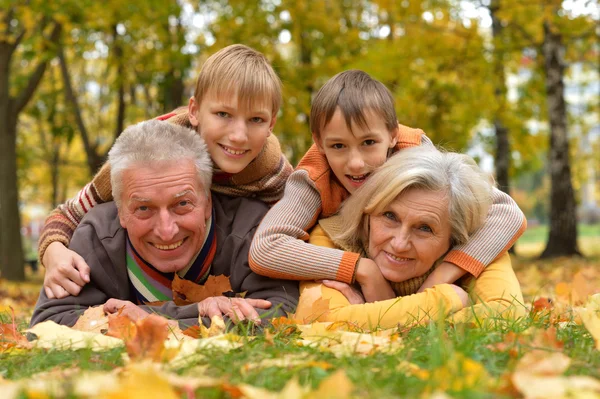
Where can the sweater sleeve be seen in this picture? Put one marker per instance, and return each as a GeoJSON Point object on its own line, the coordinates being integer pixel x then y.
{"type": "Point", "coordinates": [496, 292]}
{"type": "Point", "coordinates": [279, 249]}
{"type": "Point", "coordinates": [503, 225]}
{"type": "Point", "coordinates": [62, 221]}
{"type": "Point", "coordinates": [432, 304]}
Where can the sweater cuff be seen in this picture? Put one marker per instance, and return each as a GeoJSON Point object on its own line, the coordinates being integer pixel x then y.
{"type": "Point", "coordinates": [465, 262]}
{"type": "Point", "coordinates": [453, 299]}
{"type": "Point", "coordinates": [347, 267]}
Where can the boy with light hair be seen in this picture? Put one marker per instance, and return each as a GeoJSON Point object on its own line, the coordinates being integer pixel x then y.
{"type": "Point", "coordinates": [234, 108]}
{"type": "Point", "coordinates": [355, 129]}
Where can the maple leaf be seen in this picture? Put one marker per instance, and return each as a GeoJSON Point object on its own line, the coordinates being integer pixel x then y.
{"type": "Point", "coordinates": [93, 319]}
{"type": "Point", "coordinates": [186, 292]}
{"type": "Point", "coordinates": [313, 306]}
{"type": "Point", "coordinates": [149, 338]}
{"type": "Point", "coordinates": [121, 326]}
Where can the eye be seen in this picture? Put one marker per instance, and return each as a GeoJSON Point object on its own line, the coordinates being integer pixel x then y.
{"type": "Point", "coordinates": [337, 146]}
{"type": "Point", "coordinates": [184, 203]}
{"type": "Point", "coordinates": [369, 142]}
{"type": "Point", "coordinates": [257, 119]}
{"type": "Point", "coordinates": [426, 228]}
{"type": "Point", "coordinates": [222, 114]}
{"type": "Point", "coordinates": [389, 215]}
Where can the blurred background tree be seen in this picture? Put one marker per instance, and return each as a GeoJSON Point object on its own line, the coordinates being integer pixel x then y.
{"type": "Point", "coordinates": [494, 78]}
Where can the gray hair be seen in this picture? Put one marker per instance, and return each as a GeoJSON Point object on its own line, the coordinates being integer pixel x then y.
{"type": "Point", "coordinates": [153, 141]}
{"type": "Point", "coordinates": [468, 188]}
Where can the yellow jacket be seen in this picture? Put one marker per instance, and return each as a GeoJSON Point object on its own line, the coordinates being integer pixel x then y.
{"type": "Point", "coordinates": [496, 292]}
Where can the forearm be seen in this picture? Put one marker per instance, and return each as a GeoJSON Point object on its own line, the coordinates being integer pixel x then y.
{"type": "Point", "coordinates": [62, 221]}
{"type": "Point", "coordinates": [434, 303]}
{"type": "Point", "coordinates": [278, 249]}
{"type": "Point", "coordinates": [503, 225]}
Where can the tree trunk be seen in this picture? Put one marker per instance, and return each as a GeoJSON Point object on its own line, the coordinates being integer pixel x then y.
{"type": "Point", "coordinates": [502, 157]}
{"type": "Point", "coordinates": [562, 240]}
{"type": "Point", "coordinates": [11, 253]}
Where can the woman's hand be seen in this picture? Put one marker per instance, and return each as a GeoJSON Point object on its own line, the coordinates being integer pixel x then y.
{"type": "Point", "coordinates": [462, 294]}
{"type": "Point", "coordinates": [66, 272]}
{"type": "Point", "coordinates": [353, 295]}
{"type": "Point", "coordinates": [373, 285]}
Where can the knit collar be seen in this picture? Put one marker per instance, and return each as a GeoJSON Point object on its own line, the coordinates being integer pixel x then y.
{"type": "Point", "coordinates": [151, 285]}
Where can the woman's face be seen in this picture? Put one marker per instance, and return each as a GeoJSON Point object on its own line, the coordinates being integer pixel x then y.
{"type": "Point", "coordinates": [411, 234]}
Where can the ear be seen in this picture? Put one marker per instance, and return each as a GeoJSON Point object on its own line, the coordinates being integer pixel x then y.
{"type": "Point", "coordinates": [394, 134]}
{"type": "Point", "coordinates": [208, 208]}
{"type": "Point", "coordinates": [122, 218]}
{"type": "Point", "coordinates": [318, 143]}
{"type": "Point", "coordinates": [272, 124]}
{"type": "Point", "coordinates": [193, 107]}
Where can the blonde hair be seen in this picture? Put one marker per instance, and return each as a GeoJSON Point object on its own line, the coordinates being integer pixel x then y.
{"type": "Point", "coordinates": [355, 93]}
{"type": "Point", "coordinates": [469, 192]}
{"type": "Point", "coordinates": [154, 141]}
{"type": "Point", "coordinates": [242, 70]}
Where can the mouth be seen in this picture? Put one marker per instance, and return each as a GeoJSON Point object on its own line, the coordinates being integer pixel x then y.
{"type": "Point", "coordinates": [397, 258]}
{"type": "Point", "coordinates": [233, 151]}
{"type": "Point", "coordinates": [168, 247]}
{"type": "Point", "coordinates": [358, 179]}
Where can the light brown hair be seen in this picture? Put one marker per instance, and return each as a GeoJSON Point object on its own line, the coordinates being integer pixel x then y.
{"type": "Point", "coordinates": [355, 93]}
{"type": "Point", "coordinates": [241, 70]}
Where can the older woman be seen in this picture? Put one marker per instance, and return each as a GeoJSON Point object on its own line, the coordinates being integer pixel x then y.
{"type": "Point", "coordinates": [409, 213]}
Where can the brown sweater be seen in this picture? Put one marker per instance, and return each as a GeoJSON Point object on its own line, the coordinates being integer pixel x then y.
{"type": "Point", "coordinates": [264, 179]}
{"type": "Point", "coordinates": [100, 240]}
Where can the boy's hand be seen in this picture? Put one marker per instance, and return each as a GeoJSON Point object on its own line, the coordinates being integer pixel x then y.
{"type": "Point", "coordinates": [445, 273]}
{"type": "Point", "coordinates": [353, 295]}
{"type": "Point", "coordinates": [373, 285]}
{"type": "Point", "coordinates": [66, 272]}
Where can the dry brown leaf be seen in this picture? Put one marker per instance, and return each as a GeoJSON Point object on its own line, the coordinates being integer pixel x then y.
{"type": "Point", "coordinates": [93, 319]}
{"type": "Point", "coordinates": [186, 292]}
{"type": "Point", "coordinates": [149, 339]}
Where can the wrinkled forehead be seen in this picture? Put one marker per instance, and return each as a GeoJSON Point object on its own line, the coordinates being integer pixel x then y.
{"type": "Point", "coordinates": [162, 178]}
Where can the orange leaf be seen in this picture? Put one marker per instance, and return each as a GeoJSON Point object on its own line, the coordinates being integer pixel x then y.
{"type": "Point", "coordinates": [583, 287]}
{"type": "Point", "coordinates": [193, 331]}
{"type": "Point", "coordinates": [542, 303]}
{"type": "Point", "coordinates": [149, 338]}
{"type": "Point", "coordinates": [9, 336]}
{"type": "Point", "coordinates": [121, 326]}
{"type": "Point", "coordinates": [93, 319]}
{"type": "Point", "coordinates": [186, 292]}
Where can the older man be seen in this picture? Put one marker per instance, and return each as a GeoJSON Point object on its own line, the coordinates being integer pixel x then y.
{"type": "Point", "coordinates": [164, 221]}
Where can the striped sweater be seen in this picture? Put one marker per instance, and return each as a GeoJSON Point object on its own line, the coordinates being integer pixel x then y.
{"type": "Point", "coordinates": [264, 179]}
{"type": "Point", "coordinates": [312, 192]}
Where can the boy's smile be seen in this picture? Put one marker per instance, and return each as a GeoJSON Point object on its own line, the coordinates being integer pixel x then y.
{"type": "Point", "coordinates": [354, 153]}
{"type": "Point", "coordinates": [234, 136]}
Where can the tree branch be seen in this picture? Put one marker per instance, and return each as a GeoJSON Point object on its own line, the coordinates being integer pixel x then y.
{"type": "Point", "coordinates": [35, 78]}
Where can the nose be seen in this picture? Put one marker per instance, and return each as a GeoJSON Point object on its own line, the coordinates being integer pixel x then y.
{"type": "Point", "coordinates": [400, 241]}
{"type": "Point", "coordinates": [239, 132]}
{"type": "Point", "coordinates": [166, 226]}
{"type": "Point", "coordinates": [356, 162]}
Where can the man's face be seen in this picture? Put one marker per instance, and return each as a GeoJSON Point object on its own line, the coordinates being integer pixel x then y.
{"type": "Point", "coordinates": [164, 209]}
{"type": "Point", "coordinates": [234, 136]}
{"type": "Point", "coordinates": [354, 154]}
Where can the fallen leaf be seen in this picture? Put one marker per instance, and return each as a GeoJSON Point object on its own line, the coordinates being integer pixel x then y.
{"type": "Point", "coordinates": [217, 327]}
{"type": "Point", "coordinates": [121, 326]}
{"type": "Point", "coordinates": [53, 336]}
{"type": "Point", "coordinates": [93, 320]}
{"type": "Point", "coordinates": [336, 386]}
{"type": "Point", "coordinates": [583, 287]}
{"type": "Point", "coordinates": [472, 375]}
{"type": "Point", "coordinates": [148, 342]}
{"type": "Point", "coordinates": [542, 304]}
{"type": "Point", "coordinates": [186, 292]}
{"type": "Point", "coordinates": [10, 337]}
{"type": "Point", "coordinates": [142, 381]}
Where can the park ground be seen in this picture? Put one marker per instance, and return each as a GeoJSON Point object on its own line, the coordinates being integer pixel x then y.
{"type": "Point", "coordinates": [551, 352]}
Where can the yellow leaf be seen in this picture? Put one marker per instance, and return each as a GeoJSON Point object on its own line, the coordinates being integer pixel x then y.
{"type": "Point", "coordinates": [141, 381]}
{"type": "Point", "coordinates": [93, 320]}
{"type": "Point", "coordinates": [336, 386]}
{"type": "Point", "coordinates": [217, 327]}
{"type": "Point", "coordinates": [53, 336]}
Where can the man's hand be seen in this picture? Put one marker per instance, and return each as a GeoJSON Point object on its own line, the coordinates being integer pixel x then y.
{"type": "Point", "coordinates": [130, 309]}
{"type": "Point", "coordinates": [237, 309]}
{"type": "Point", "coordinates": [445, 273]}
{"type": "Point", "coordinates": [373, 285]}
{"type": "Point", "coordinates": [66, 272]}
{"type": "Point", "coordinates": [353, 295]}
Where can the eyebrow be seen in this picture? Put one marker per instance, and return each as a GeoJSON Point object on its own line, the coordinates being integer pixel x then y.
{"type": "Point", "coordinates": [140, 199]}
{"type": "Point", "coordinates": [183, 193]}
